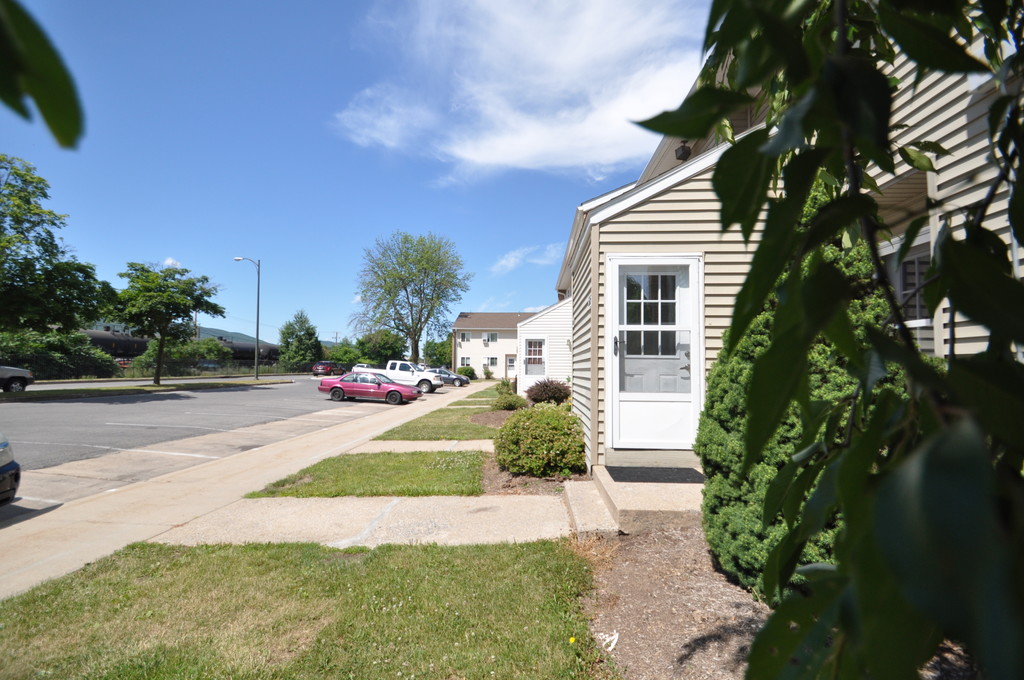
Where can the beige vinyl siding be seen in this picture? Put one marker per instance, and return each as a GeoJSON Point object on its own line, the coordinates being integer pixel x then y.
{"type": "Point", "coordinates": [943, 109]}
{"type": "Point", "coordinates": [683, 219]}
{"type": "Point", "coordinates": [582, 353]}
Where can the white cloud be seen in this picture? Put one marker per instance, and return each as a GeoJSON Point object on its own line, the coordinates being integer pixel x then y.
{"type": "Point", "coordinates": [536, 309]}
{"type": "Point", "coordinates": [550, 254]}
{"type": "Point", "coordinates": [511, 260]}
{"type": "Point", "coordinates": [171, 262]}
{"type": "Point", "coordinates": [358, 299]}
{"type": "Point", "coordinates": [528, 84]}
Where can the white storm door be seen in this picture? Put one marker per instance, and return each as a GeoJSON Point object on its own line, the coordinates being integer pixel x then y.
{"type": "Point", "coordinates": [654, 334]}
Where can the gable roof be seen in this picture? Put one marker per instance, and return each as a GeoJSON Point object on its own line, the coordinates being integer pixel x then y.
{"type": "Point", "coordinates": [489, 321]}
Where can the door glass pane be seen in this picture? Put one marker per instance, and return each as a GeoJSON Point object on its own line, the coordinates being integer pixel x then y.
{"type": "Point", "coordinates": [653, 346]}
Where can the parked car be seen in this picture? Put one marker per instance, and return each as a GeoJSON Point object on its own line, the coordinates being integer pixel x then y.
{"type": "Point", "coordinates": [327, 368]}
{"type": "Point", "coordinates": [15, 379]}
{"type": "Point", "coordinates": [368, 386]}
{"type": "Point", "coordinates": [450, 378]}
{"type": "Point", "coordinates": [408, 373]}
{"type": "Point", "coordinates": [10, 472]}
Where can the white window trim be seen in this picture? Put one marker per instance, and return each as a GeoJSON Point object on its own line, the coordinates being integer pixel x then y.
{"type": "Point", "coordinates": [543, 356]}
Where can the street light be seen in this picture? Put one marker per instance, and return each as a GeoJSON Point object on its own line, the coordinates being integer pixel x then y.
{"type": "Point", "coordinates": [256, 359]}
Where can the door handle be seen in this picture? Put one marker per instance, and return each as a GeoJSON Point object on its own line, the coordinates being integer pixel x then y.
{"type": "Point", "coordinates": [615, 346]}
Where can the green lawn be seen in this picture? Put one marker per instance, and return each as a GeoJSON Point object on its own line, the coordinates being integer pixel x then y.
{"type": "Point", "coordinates": [418, 473]}
{"type": "Point", "coordinates": [445, 423]}
{"type": "Point", "coordinates": [281, 611]}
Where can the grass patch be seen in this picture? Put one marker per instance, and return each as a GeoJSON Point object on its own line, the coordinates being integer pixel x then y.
{"type": "Point", "coordinates": [490, 393]}
{"type": "Point", "coordinates": [472, 402]}
{"type": "Point", "coordinates": [418, 473]}
{"type": "Point", "coordinates": [263, 611]}
{"type": "Point", "coordinates": [445, 423]}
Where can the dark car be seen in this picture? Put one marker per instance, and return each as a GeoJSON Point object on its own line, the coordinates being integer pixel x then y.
{"type": "Point", "coordinates": [327, 368]}
{"type": "Point", "coordinates": [450, 378]}
{"type": "Point", "coordinates": [10, 472]}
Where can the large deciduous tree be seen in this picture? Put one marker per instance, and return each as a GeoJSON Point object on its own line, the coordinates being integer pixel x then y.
{"type": "Point", "coordinates": [160, 303]}
{"type": "Point", "coordinates": [408, 284]}
{"type": "Point", "coordinates": [41, 284]}
{"type": "Point", "coordinates": [379, 347]}
{"type": "Point", "coordinates": [928, 481]}
{"type": "Point", "coordinates": [300, 347]}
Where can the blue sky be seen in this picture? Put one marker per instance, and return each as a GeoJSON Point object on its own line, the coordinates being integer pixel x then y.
{"type": "Point", "coordinates": [300, 132]}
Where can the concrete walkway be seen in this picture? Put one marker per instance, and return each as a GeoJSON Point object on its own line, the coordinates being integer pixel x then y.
{"type": "Point", "coordinates": [203, 503]}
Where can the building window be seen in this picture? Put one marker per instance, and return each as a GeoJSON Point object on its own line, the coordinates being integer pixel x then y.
{"type": "Point", "coordinates": [491, 361]}
{"type": "Point", "coordinates": [534, 357]}
{"type": "Point", "coordinates": [463, 336]}
{"type": "Point", "coordinates": [491, 337]}
{"type": "Point", "coordinates": [464, 361]}
{"type": "Point", "coordinates": [907, 279]}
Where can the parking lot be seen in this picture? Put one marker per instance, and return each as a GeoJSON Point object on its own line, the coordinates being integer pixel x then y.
{"type": "Point", "coordinates": [87, 446]}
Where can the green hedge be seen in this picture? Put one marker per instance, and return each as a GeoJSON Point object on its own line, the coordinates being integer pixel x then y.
{"type": "Point", "coordinates": [544, 441]}
{"type": "Point", "coordinates": [732, 507]}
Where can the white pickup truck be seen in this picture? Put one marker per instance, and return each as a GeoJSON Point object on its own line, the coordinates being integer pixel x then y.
{"type": "Point", "coordinates": [407, 373]}
{"type": "Point", "coordinates": [15, 379]}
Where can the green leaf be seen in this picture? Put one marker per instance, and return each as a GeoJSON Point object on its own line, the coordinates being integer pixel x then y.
{"type": "Point", "coordinates": [834, 217]}
{"type": "Point", "coordinates": [40, 73]}
{"type": "Point", "coordinates": [938, 522]}
{"type": "Point", "coordinates": [863, 103]}
{"type": "Point", "coordinates": [926, 44]}
{"type": "Point", "coordinates": [777, 491]}
{"type": "Point", "coordinates": [741, 181]}
{"type": "Point", "coordinates": [794, 642]}
{"type": "Point", "coordinates": [916, 159]}
{"type": "Point", "coordinates": [930, 147]}
{"type": "Point", "coordinates": [1016, 210]}
{"type": "Point", "coordinates": [993, 390]}
{"type": "Point", "coordinates": [981, 291]}
{"type": "Point", "coordinates": [698, 114]}
{"type": "Point", "coordinates": [791, 134]}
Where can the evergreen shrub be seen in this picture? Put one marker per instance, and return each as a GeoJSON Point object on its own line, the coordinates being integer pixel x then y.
{"type": "Point", "coordinates": [509, 402]}
{"type": "Point", "coordinates": [466, 371]}
{"type": "Point", "coordinates": [542, 441]}
{"type": "Point", "coordinates": [548, 390]}
{"type": "Point", "coordinates": [732, 506]}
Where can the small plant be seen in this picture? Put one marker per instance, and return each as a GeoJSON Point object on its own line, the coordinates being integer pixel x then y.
{"type": "Point", "coordinates": [488, 373]}
{"type": "Point", "coordinates": [509, 402]}
{"type": "Point", "coordinates": [466, 371]}
{"type": "Point", "coordinates": [505, 386]}
{"type": "Point", "coordinates": [549, 390]}
{"type": "Point", "coordinates": [543, 441]}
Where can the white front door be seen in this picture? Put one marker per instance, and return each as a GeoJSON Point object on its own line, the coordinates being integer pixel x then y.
{"type": "Point", "coordinates": [654, 352]}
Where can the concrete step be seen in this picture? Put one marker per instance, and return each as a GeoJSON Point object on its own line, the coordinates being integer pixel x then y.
{"type": "Point", "coordinates": [588, 513]}
{"type": "Point", "coordinates": [637, 507]}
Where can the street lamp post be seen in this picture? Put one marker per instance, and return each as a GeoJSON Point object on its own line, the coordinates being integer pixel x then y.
{"type": "Point", "coordinates": [256, 359]}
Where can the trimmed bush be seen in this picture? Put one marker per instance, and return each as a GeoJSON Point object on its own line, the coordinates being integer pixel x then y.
{"type": "Point", "coordinates": [466, 371]}
{"type": "Point", "coordinates": [509, 402]}
{"type": "Point", "coordinates": [488, 373]}
{"type": "Point", "coordinates": [505, 386]}
{"type": "Point", "coordinates": [542, 441]}
{"type": "Point", "coordinates": [548, 390]}
{"type": "Point", "coordinates": [732, 507]}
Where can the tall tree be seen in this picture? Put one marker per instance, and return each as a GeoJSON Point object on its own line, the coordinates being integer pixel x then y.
{"type": "Point", "coordinates": [408, 284]}
{"type": "Point", "coordinates": [438, 352]}
{"type": "Point", "coordinates": [41, 284]}
{"type": "Point", "coordinates": [380, 347]}
{"type": "Point", "coordinates": [346, 353]}
{"type": "Point", "coordinates": [929, 481]}
{"type": "Point", "coordinates": [160, 303]}
{"type": "Point", "coordinates": [299, 344]}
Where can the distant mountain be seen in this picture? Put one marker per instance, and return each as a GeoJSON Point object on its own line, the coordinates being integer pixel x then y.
{"type": "Point", "coordinates": [205, 332]}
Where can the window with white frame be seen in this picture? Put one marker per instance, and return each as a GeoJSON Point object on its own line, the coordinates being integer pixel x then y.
{"type": "Point", "coordinates": [464, 361]}
{"type": "Point", "coordinates": [907, 278]}
{"type": "Point", "coordinates": [491, 361]}
{"type": "Point", "coordinates": [464, 336]}
{"type": "Point", "coordinates": [534, 357]}
{"type": "Point", "coordinates": [491, 337]}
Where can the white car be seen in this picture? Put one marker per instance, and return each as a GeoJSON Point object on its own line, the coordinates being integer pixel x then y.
{"type": "Point", "coordinates": [15, 379]}
{"type": "Point", "coordinates": [10, 472]}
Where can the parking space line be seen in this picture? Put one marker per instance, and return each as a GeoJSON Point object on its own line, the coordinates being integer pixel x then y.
{"type": "Point", "coordinates": [176, 427]}
{"type": "Point", "coordinates": [115, 448]}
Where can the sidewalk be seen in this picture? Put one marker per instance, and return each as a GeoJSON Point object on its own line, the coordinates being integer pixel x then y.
{"type": "Point", "coordinates": [204, 504]}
